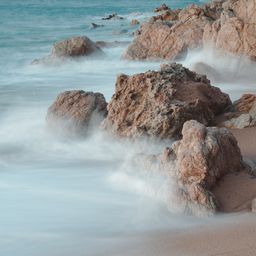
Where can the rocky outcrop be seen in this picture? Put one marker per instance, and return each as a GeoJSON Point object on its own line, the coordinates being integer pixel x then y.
{"type": "Point", "coordinates": [74, 112]}
{"type": "Point", "coordinates": [235, 30]}
{"type": "Point", "coordinates": [170, 35]}
{"type": "Point", "coordinates": [157, 104]}
{"type": "Point", "coordinates": [241, 115]}
{"type": "Point", "coordinates": [161, 8]}
{"type": "Point", "coordinates": [75, 47]}
{"type": "Point", "coordinates": [194, 166]}
{"type": "Point", "coordinates": [227, 25]}
{"type": "Point", "coordinates": [201, 159]}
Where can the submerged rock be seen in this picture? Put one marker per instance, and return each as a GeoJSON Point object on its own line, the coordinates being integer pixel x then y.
{"type": "Point", "coordinates": [94, 25]}
{"type": "Point", "coordinates": [75, 112]}
{"type": "Point", "coordinates": [113, 16]}
{"type": "Point", "coordinates": [158, 103]}
{"type": "Point", "coordinates": [76, 46]}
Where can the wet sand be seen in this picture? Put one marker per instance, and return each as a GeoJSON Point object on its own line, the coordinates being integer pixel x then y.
{"type": "Point", "coordinates": [232, 234]}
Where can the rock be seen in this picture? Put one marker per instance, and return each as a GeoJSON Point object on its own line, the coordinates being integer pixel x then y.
{"type": "Point", "coordinates": [94, 25]}
{"type": "Point", "coordinates": [235, 30]}
{"type": "Point", "coordinates": [134, 22]}
{"type": "Point", "coordinates": [161, 8]}
{"type": "Point", "coordinates": [169, 39]}
{"type": "Point", "coordinates": [241, 115]}
{"type": "Point", "coordinates": [157, 104]}
{"type": "Point", "coordinates": [104, 44]}
{"type": "Point", "coordinates": [254, 205]}
{"type": "Point", "coordinates": [201, 158]}
{"type": "Point", "coordinates": [194, 166]}
{"type": "Point", "coordinates": [74, 112]}
{"type": "Point", "coordinates": [76, 46]}
{"type": "Point", "coordinates": [169, 15]}
{"type": "Point", "coordinates": [113, 16]}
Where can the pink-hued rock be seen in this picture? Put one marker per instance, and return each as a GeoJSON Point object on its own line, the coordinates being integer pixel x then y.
{"type": "Point", "coordinates": [201, 158]}
{"type": "Point", "coordinates": [74, 111]}
{"type": "Point", "coordinates": [235, 30]}
{"type": "Point", "coordinates": [157, 103]}
{"type": "Point", "coordinates": [172, 33]}
{"type": "Point", "coordinates": [76, 46]}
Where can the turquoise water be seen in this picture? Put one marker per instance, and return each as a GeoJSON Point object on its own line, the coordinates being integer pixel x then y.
{"type": "Point", "coordinates": [58, 196]}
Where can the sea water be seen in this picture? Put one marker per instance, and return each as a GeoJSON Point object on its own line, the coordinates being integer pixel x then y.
{"type": "Point", "coordinates": [60, 196]}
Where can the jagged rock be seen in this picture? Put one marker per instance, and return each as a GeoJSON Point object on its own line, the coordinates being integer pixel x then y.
{"type": "Point", "coordinates": [169, 40]}
{"type": "Point", "coordinates": [75, 111]}
{"type": "Point", "coordinates": [156, 104]}
{"type": "Point", "coordinates": [134, 22]}
{"type": "Point", "coordinates": [235, 30]}
{"type": "Point", "coordinates": [161, 8]}
{"type": "Point", "coordinates": [242, 114]}
{"type": "Point", "coordinates": [194, 166]}
{"type": "Point", "coordinates": [113, 16]}
{"type": "Point", "coordinates": [76, 46]}
{"type": "Point", "coordinates": [169, 15]}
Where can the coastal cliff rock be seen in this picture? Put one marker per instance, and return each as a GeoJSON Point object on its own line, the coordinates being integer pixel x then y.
{"type": "Point", "coordinates": [242, 114]}
{"type": "Point", "coordinates": [75, 111]}
{"type": "Point", "coordinates": [235, 30]}
{"type": "Point", "coordinates": [172, 33]}
{"type": "Point", "coordinates": [224, 25]}
{"type": "Point", "coordinates": [158, 103]}
{"type": "Point", "coordinates": [76, 46]}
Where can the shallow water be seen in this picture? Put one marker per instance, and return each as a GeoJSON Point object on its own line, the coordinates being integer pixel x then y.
{"type": "Point", "coordinates": [60, 196]}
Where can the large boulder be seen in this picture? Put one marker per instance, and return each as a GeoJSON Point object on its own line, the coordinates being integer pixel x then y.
{"type": "Point", "coordinates": [75, 112]}
{"type": "Point", "coordinates": [76, 46]}
{"type": "Point", "coordinates": [235, 30]}
{"type": "Point", "coordinates": [158, 103]}
{"type": "Point", "coordinates": [203, 157]}
{"type": "Point", "coordinates": [171, 34]}
{"type": "Point", "coordinates": [241, 115]}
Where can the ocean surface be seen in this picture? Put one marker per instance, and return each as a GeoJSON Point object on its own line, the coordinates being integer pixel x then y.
{"type": "Point", "coordinates": [60, 196]}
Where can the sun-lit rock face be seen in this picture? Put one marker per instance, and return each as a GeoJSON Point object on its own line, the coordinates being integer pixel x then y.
{"type": "Point", "coordinates": [158, 103]}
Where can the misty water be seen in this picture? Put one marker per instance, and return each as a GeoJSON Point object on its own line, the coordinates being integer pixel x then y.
{"type": "Point", "coordinates": [66, 196]}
